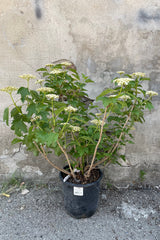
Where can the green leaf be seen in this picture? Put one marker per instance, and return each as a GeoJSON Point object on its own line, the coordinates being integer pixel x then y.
{"type": "Point", "coordinates": [118, 163]}
{"type": "Point", "coordinates": [24, 92]}
{"type": "Point", "coordinates": [16, 140]}
{"type": "Point", "coordinates": [15, 112]}
{"type": "Point", "coordinates": [87, 138]}
{"type": "Point", "coordinates": [6, 116]}
{"type": "Point", "coordinates": [123, 157]}
{"type": "Point", "coordinates": [115, 118]}
{"type": "Point", "coordinates": [81, 150]}
{"type": "Point", "coordinates": [143, 79]}
{"type": "Point", "coordinates": [34, 94]}
{"type": "Point", "coordinates": [106, 101]}
{"type": "Point", "coordinates": [41, 136]}
{"type": "Point", "coordinates": [134, 97]}
{"type": "Point", "coordinates": [149, 105]}
{"type": "Point", "coordinates": [31, 109]}
{"type": "Point", "coordinates": [45, 74]}
{"type": "Point", "coordinates": [41, 70]}
{"type": "Point", "coordinates": [46, 138]}
{"type": "Point", "coordinates": [19, 127]}
{"type": "Point", "coordinates": [89, 81]}
{"type": "Point", "coordinates": [131, 142]}
{"type": "Point", "coordinates": [79, 119]}
{"type": "Point", "coordinates": [109, 90]}
{"type": "Point", "coordinates": [57, 150]}
{"type": "Point", "coordinates": [130, 135]}
{"type": "Point", "coordinates": [51, 138]}
{"type": "Point", "coordinates": [59, 110]}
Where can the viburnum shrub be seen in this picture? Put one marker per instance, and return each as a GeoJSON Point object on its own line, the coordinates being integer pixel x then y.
{"type": "Point", "coordinates": [59, 117]}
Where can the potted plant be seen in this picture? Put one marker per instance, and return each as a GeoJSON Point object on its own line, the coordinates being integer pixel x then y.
{"type": "Point", "coordinates": [59, 117]}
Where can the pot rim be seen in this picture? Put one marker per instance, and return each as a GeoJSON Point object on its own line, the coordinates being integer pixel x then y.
{"type": "Point", "coordinates": [81, 185]}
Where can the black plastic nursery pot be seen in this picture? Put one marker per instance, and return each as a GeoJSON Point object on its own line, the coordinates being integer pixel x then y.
{"type": "Point", "coordinates": [81, 200]}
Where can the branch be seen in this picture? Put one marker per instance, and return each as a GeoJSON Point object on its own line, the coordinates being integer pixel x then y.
{"type": "Point", "coordinates": [99, 140]}
{"type": "Point", "coordinates": [118, 141]}
{"type": "Point", "coordinates": [43, 153]}
{"type": "Point", "coordinates": [69, 164]}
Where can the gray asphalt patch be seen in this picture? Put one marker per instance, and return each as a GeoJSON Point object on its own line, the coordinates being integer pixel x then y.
{"type": "Point", "coordinates": [39, 214]}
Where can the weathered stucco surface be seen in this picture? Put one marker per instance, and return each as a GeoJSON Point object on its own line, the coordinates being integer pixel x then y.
{"type": "Point", "coordinates": [100, 37]}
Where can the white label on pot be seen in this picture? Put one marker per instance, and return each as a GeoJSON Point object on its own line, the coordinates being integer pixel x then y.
{"type": "Point", "coordinates": [78, 191]}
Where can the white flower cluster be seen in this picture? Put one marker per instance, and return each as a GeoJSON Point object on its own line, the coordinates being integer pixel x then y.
{"type": "Point", "coordinates": [27, 76]}
{"type": "Point", "coordinates": [98, 114]}
{"type": "Point", "coordinates": [96, 122]}
{"type": "Point", "coordinates": [52, 96]}
{"type": "Point", "coordinates": [138, 74]}
{"type": "Point", "coordinates": [120, 72]}
{"type": "Point", "coordinates": [75, 128]}
{"type": "Point", "coordinates": [35, 118]}
{"type": "Point", "coordinates": [112, 96]}
{"type": "Point", "coordinates": [50, 65]}
{"type": "Point", "coordinates": [66, 63]}
{"type": "Point", "coordinates": [122, 81]}
{"type": "Point", "coordinates": [9, 89]}
{"type": "Point", "coordinates": [70, 109]}
{"type": "Point", "coordinates": [39, 81]}
{"type": "Point", "coordinates": [56, 71]}
{"type": "Point", "coordinates": [124, 97]}
{"type": "Point", "coordinates": [64, 124]}
{"type": "Point", "coordinates": [151, 93]}
{"type": "Point", "coordinates": [45, 89]}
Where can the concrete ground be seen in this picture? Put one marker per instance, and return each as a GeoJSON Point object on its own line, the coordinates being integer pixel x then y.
{"type": "Point", "coordinates": [40, 215]}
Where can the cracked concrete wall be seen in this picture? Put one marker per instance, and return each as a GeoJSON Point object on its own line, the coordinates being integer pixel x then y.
{"type": "Point", "coordinates": [100, 37]}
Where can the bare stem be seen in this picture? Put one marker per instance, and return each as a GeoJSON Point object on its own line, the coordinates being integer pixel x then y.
{"type": "Point", "coordinates": [15, 103]}
{"type": "Point", "coordinates": [67, 158]}
{"type": "Point", "coordinates": [80, 161]}
{"type": "Point", "coordinates": [118, 141]}
{"type": "Point", "coordinates": [99, 140]}
{"type": "Point", "coordinates": [74, 146]}
{"type": "Point", "coordinates": [43, 153]}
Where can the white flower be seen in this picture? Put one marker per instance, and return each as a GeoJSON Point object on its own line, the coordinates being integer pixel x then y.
{"type": "Point", "coordinates": [50, 65]}
{"type": "Point", "coordinates": [122, 81]}
{"type": "Point", "coordinates": [70, 109]}
{"type": "Point", "coordinates": [35, 118]}
{"type": "Point", "coordinates": [112, 96]}
{"type": "Point", "coordinates": [27, 76]}
{"type": "Point", "coordinates": [56, 71]}
{"type": "Point", "coordinates": [66, 63]}
{"type": "Point", "coordinates": [120, 72]}
{"type": "Point", "coordinates": [138, 74]}
{"type": "Point", "coordinates": [125, 97]}
{"type": "Point", "coordinates": [96, 121]}
{"type": "Point", "coordinates": [64, 124]}
{"type": "Point", "coordinates": [39, 81]}
{"type": "Point", "coordinates": [45, 89]}
{"type": "Point", "coordinates": [151, 93]}
{"type": "Point", "coordinates": [75, 128]}
{"type": "Point", "coordinates": [9, 89]}
{"type": "Point", "coordinates": [52, 96]}
{"type": "Point", "coordinates": [98, 114]}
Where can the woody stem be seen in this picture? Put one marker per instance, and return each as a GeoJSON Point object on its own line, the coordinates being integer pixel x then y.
{"type": "Point", "coordinates": [67, 158]}
{"type": "Point", "coordinates": [43, 153]}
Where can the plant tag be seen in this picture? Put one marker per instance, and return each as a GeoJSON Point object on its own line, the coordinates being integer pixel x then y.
{"type": "Point", "coordinates": [78, 191]}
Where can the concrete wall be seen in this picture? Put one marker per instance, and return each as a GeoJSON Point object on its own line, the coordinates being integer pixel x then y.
{"type": "Point", "coordinates": [100, 37]}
